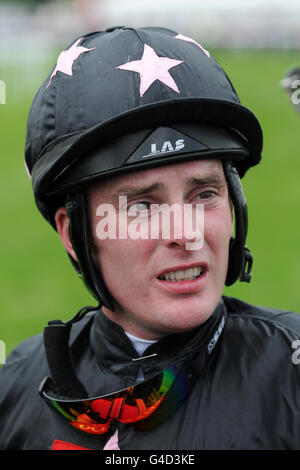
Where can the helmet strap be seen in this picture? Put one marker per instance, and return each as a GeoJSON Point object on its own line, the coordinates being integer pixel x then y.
{"type": "Point", "coordinates": [240, 258]}
{"type": "Point", "coordinates": [81, 239]}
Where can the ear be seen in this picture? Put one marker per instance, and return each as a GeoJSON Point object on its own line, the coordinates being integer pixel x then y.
{"type": "Point", "coordinates": [62, 225]}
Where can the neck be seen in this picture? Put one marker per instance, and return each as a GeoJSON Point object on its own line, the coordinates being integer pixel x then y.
{"type": "Point", "coordinates": [140, 331]}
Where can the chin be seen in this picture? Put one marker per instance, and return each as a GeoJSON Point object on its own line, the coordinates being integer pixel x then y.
{"type": "Point", "coordinates": [187, 315]}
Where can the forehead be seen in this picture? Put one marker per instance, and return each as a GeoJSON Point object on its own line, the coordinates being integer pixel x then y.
{"type": "Point", "coordinates": [165, 175]}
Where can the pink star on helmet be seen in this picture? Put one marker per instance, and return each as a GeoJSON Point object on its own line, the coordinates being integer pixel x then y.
{"type": "Point", "coordinates": [186, 38]}
{"type": "Point", "coordinates": [66, 59]}
{"type": "Point", "coordinates": [151, 67]}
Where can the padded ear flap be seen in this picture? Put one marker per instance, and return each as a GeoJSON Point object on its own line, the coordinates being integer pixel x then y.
{"type": "Point", "coordinates": [80, 235]}
{"type": "Point", "coordinates": [240, 258]}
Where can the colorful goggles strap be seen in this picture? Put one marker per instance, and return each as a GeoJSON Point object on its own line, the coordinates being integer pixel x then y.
{"type": "Point", "coordinates": [144, 405]}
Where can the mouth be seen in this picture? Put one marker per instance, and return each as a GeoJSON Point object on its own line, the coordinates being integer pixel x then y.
{"type": "Point", "coordinates": [179, 275]}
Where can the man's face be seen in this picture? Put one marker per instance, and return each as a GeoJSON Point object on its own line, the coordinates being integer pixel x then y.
{"type": "Point", "coordinates": [152, 299]}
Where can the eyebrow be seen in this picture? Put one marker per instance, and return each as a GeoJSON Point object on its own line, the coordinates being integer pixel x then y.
{"type": "Point", "coordinates": [133, 191]}
{"type": "Point", "coordinates": [215, 179]}
{"type": "Point", "coordinates": [138, 191]}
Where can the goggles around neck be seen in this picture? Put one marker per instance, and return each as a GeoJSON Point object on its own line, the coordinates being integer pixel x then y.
{"type": "Point", "coordinates": [144, 405]}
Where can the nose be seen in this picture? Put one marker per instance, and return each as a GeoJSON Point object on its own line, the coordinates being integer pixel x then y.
{"type": "Point", "coordinates": [182, 225]}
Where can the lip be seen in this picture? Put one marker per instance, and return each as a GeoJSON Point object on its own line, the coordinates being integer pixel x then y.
{"type": "Point", "coordinates": [183, 287]}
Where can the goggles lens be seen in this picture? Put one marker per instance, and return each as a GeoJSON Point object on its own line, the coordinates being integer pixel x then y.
{"type": "Point", "coordinates": [132, 405]}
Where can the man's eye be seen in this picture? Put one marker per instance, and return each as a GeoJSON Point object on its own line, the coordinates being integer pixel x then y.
{"type": "Point", "coordinates": [206, 194]}
{"type": "Point", "coordinates": [138, 206]}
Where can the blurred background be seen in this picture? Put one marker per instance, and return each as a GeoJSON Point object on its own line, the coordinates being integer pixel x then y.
{"type": "Point", "coordinates": [256, 42]}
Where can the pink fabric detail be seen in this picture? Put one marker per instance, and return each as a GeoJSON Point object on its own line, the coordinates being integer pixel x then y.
{"type": "Point", "coordinates": [186, 38]}
{"type": "Point", "coordinates": [112, 443]}
{"type": "Point", "coordinates": [66, 59]}
{"type": "Point", "coordinates": [151, 67]}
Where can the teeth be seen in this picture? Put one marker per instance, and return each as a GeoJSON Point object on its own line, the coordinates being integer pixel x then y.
{"type": "Point", "coordinates": [186, 275]}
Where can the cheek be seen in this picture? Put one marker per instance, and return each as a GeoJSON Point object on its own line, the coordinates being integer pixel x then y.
{"type": "Point", "coordinates": [124, 262]}
{"type": "Point", "coordinates": [218, 229]}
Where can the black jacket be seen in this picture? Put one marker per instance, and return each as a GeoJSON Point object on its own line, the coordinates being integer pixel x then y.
{"type": "Point", "coordinates": [246, 396]}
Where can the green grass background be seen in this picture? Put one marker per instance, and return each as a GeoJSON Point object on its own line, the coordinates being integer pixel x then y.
{"type": "Point", "coordinates": [37, 282]}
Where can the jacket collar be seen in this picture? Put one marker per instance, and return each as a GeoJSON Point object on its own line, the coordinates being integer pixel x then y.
{"type": "Point", "coordinates": [115, 353]}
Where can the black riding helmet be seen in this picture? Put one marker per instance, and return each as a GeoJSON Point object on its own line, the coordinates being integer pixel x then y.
{"type": "Point", "coordinates": [127, 99]}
